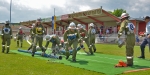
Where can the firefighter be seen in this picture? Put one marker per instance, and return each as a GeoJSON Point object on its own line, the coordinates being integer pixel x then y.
{"type": "Point", "coordinates": [71, 37]}
{"type": "Point", "coordinates": [55, 40]}
{"type": "Point", "coordinates": [31, 36]}
{"type": "Point", "coordinates": [20, 36]}
{"type": "Point", "coordinates": [128, 27]}
{"type": "Point", "coordinates": [6, 36]}
{"type": "Point", "coordinates": [84, 36]}
{"type": "Point", "coordinates": [38, 31]}
{"type": "Point", "coordinates": [91, 38]}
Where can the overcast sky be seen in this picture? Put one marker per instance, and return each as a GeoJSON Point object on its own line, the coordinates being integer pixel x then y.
{"type": "Point", "coordinates": [24, 10]}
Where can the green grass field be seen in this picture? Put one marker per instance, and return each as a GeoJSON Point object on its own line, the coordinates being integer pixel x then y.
{"type": "Point", "coordinates": [17, 64]}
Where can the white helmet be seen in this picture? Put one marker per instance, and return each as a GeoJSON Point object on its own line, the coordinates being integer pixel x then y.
{"type": "Point", "coordinates": [20, 27]}
{"type": "Point", "coordinates": [82, 27]}
{"type": "Point", "coordinates": [38, 48]}
{"type": "Point", "coordinates": [79, 26]}
{"type": "Point", "coordinates": [72, 25]}
{"type": "Point", "coordinates": [123, 15]}
{"type": "Point", "coordinates": [91, 24]}
{"type": "Point", "coordinates": [33, 24]}
{"type": "Point", "coordinates": [48, 37]}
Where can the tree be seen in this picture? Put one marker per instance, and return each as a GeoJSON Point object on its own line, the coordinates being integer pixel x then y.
{"type": "Point", "coordinates": [118, 12]}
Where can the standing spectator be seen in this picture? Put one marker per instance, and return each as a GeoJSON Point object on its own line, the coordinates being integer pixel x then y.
{"type": "Point", "coordinates": [115, 29]}
{"type": "Point", "coordinates": [147, 37]}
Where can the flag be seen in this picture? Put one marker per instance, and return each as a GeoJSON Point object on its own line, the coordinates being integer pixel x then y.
{"type": "Point", "coordinates": [55, 23]}
{"type": "Point", "coordinates": [52, 22]}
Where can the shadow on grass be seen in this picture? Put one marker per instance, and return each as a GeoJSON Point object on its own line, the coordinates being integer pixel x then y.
{"type": "Point", "coordinates": [11, 53]}
{"type": "Point", "coordinates": [99, 52]}
{"type": "Point", "coordinates": [90, 55]}
{"type": "Point", "coordinates": [81, 62]}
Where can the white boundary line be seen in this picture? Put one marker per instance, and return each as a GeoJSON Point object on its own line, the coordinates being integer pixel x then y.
{"type": "Point", "coordinates": [97, 61]}
{"type": "Point", "coordinates": [107, 57]}
{"type": "Point", "coordinates": [113, 58]}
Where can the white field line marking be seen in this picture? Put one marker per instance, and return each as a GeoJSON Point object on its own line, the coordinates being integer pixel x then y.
{"type": "Point", "coordinates": [112, 58]}
{"type": "Point", "coordinates": [96, 61]}
{"type": "Point", "coordinates": [107, 57]}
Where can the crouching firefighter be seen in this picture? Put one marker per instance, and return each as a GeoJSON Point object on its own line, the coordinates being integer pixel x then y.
{"type": "Point", "coordinates": [6, 36]}
{"type": "Point", "coordinates": [91, 35]}
{"type": "Point", "coordinates": [55, 40]}
{"type": "Point", "coordinates": [39, 31]}
{"type": "Point", "coordinates": [71, 37]}
{"type": "Point", "coordinates": [128, 27]}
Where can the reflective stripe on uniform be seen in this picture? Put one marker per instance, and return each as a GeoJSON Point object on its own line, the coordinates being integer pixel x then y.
{"type": "Point", "coordinates": [129, 57]}
{"type": "Point", "coordinates": [7, 46]}
{"type": "Point", "coordinates": [2, 34]}
{"type": "Point", "coordinates": [3, 45]}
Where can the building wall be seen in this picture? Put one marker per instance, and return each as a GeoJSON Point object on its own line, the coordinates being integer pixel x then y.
{"type": "Point", "coordinates": [142, 26]}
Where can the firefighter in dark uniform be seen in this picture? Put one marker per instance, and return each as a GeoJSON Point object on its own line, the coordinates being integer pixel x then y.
{"type": "Point", "coordinates": [71, 37]}
{"type": "Point", "coordinates": [39, 31]}
{"type": "Point", "coordinates": [6, 36]}
{"type": "Point", "coordinates": [128, 27]}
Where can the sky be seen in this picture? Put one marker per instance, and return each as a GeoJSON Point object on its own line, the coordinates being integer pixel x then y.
{"type": "Point", "coordinates": [25, 10]}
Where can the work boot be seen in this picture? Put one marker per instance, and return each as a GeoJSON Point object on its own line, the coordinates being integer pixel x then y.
{"type": "Point", "coordinates": [17, 43]}
{"type": "Point", "coordinates": [91, 53]}
{"type": "Point", "coordinates": [130, 65]}
{"type": "Point", "coordinates": [94, 50]}
{"type": "Point", "coordinates": [32, 54]}
{"type": "Point", "coordinates": [73, 60]}
{"type": "Point", "coordinates": [67, 57]}
{"type": "Point", "coordinates": [7, 51]}
{"type": "Point", "coordinates": [142, 57]}
{"type": "Point", "coordinates": [21, 44]}
{"type": "Point", "coordinates": [67, 54]}
{"type": "Point", "coordinates": [3, 49]}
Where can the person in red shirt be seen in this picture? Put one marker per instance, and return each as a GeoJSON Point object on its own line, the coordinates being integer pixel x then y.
{"type": "Point", "coordinates": [19, 36]}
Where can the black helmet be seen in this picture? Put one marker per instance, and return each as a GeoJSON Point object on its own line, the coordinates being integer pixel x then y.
{"type": "Point", "coordinates": [39, 20]}
{"type": "Point", "coordinates": [7, 23]}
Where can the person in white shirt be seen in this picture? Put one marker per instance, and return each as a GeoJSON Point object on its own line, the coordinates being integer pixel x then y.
{"type": "Point", "coordinates": [147, 38]}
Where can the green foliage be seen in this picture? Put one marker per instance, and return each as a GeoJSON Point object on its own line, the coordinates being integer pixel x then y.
{"type": "Point", "coordinates": [118, 12]}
